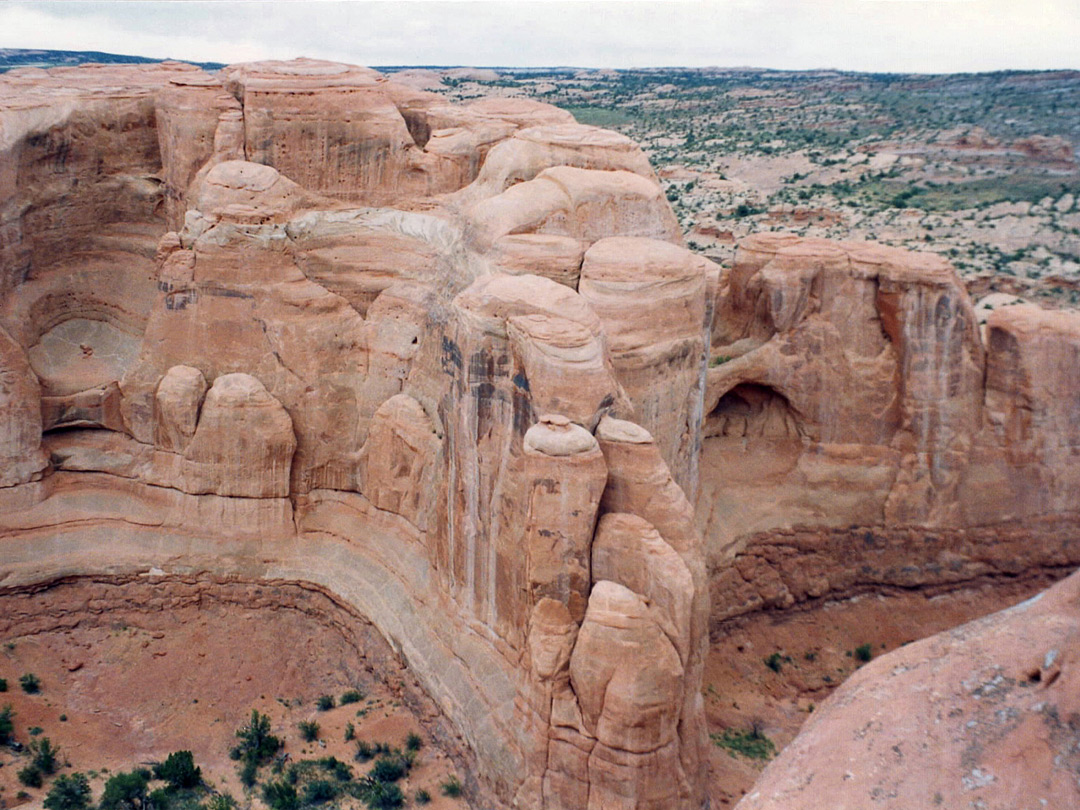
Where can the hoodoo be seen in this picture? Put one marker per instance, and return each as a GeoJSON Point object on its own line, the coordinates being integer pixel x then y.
{"type": "Point", "coordinates": [452, 365]}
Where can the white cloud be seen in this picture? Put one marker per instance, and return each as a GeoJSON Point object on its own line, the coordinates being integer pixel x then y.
{"type": "Point", "coordinates": [883, 35]}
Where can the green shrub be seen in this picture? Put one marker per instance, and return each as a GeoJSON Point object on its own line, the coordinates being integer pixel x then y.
{"type": "Point", "coordinates": [413, 742]}
{"type": "Point", "coordinates": [249, 772]}
{"type": "Point", "coordinates": [381, 795]}
{"type": "Point", "coordinates": [126, 791]}
{"type": "Point", "coordinates": [319, 791]}
{"type": "Point", "coordinates": [256, 741]}
{"type": "Point", "coordinates": [309, 730]}
{"type": "Point", "coordinates": [69, 792]}
{"type": "Point", "coordinates": [364, 751]}
{"type": "Point", "coordinates": [423, 797]}
{"type": "Point", "coordinates": [30, 776]}
{"type": "Point", "coordinates": [388, 768]}
{"type": "Point", "coordinates": [752, 744]}
{"type": "Point", "coordinates": [451, 787]}
{"type": "Point", "coordinates": [340, 770]}
{"type": "Point", "coordinates": [775, 662]}
{"type": "Point", "coordinates": [280, 796]}
{"type": "Point", "coordinates": [30, 683]}
{"type": "Point", "coordinates": [350, 732]}
{"type": "Point", "coordinates": [325, 703]}
{"type": "Point", "coordinates": [221, 801]}
{"type": "Point", "coordinates": [3, 684]}
{"type": "Point", "coordinates": [352, 696]}
{"type": "Point", "coordinates": [7, 726]}
{"type": "Point", "coordinates": [179, 770]}
{"type": "Point", "coordinates": [864, 652]}
{"type": "Point", "coordinates": [44, 755]}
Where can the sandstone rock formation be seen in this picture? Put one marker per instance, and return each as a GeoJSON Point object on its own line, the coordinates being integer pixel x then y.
{"type": "Point", "coordinates": [980, 716]}
{"type": "Point", "coordinates": [299, 322]}
{"type": "Point", "coordinates": [859, 433]}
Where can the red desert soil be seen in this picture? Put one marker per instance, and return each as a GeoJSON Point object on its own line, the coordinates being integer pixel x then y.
{"type": "Point", "coordinates": [142, 670]}
{"type": "Point", "coordinates": [815, 647]}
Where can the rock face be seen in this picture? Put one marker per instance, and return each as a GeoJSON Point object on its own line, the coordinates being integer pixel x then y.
{"type": "Point", "coordinates": [452, 365]}
{"type": "Point", "coordinates": [297, 321]}
{"type": "Point", "coordinates": [980, 716]}
{"type": "Point", "coordinates": [859, 432]}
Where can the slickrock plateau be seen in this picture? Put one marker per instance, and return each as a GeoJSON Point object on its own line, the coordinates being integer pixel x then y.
{"type": "Point", "coordinates": [451, 365]}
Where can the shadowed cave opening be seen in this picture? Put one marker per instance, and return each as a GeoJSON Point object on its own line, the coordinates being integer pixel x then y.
{"type": "Point", "coordinates": [753, 411]}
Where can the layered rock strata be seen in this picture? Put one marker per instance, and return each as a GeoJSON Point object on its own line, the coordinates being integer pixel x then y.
{"type": "Point", "coordinates": [451, 364]}
{"type": "Point", "coordinates": [862, 431]}
{"type": "Point", "coordinates": [297, 322]}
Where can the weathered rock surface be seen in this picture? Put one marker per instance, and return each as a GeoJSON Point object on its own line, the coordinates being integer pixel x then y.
{"type": "Point", "coordinates": [859, 433]}
{"type": "Point", "coordinates": [980, 716]}
{"type": "Point", "coordinates": [218, 357]}
{"type": "Point", "coordinates": [298, 321]}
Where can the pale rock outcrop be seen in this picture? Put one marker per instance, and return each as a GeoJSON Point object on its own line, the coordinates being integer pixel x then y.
{"type": "Point", "coordinates": [586, 204]}
{"type": "Point", "coordinates": [651, 299]}
{"type": "Point", "coordinates": [243, 444]}
{"type": "Point", "coordinates": [179, 398]}
{"type": "Point", "coordinates": [21, 459]}
{"type": "Point", "coordinates": [979, 716]}
{"type": "Point", "coordinates": [398, 462]}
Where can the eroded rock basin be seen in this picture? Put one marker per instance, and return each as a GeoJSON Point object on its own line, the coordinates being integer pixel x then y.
{"type": "Point", "coordinates": [141, 667]}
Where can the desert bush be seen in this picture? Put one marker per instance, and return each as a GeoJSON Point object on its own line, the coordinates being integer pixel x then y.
{"type": "Point", "coordinates": [30, 683]}
{"type": "Point", "coordinates": [179, 770]}
{"type": "Point", "coordinates": [3, 684]}
{"type": "Point", "coordinates": [30, 776]}
{"type": "Point", "coordinates": [451, 787]}
{"type": "Point", "coordinates": [309, 730]}
{"type": "Point", "coordinates": [413, 742]}
{"type": "Point", "coordinates": [126, 791]}
{"type": "Point", "coordinates": [319, 791]}
{"type": "Point", "coordinates": [351, 696]}
{"type": "Point", "coordinates": [221, 801]}
{"type": "Point", "coordinates": [249, 772]}
{"type": "Point", "coordinates": [864, 652]}
{"type": "Point", "coordinates": [280, 796]}
{"type": "Point", "coordinates": [423, 797]}
{"type": "Point", "coordinates": [257, 744]}
{"type": "Point", "coordinates": [338, 769]}
{"type": "Point", "coordinates": [44, 755]}
{"type": "Point", "coordinates": [364, 751]}
{"type": "Point", "coordinates": [350, 732]}
{"type": "Point", "coordinates": [389, 768]}
{"type": "Point", "coordinates": [69, 792]}
{"type": "Point", "coordinates": [752, 744]}
{"type": "Point", "coordinates": [379, 795]}
{"type": "Point", "coordinates": [7, 726]}
{"type": "Point", "coordinates": [325, 703]}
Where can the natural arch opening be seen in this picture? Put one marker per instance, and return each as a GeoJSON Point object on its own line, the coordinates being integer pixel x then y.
{"type": "Point", "coordinates": [753, 411]}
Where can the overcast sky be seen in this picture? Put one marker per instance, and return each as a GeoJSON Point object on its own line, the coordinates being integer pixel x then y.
{"type": "Point", "coordinates": [879, 35]}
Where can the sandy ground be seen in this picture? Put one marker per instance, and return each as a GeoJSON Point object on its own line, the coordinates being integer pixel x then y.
{"type": "Point", "coordinates": [127, 688]}
{"type": "Point", "coordinates": [122, 688]}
